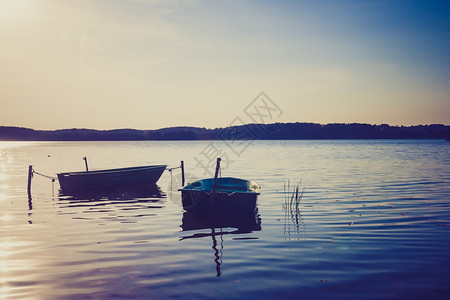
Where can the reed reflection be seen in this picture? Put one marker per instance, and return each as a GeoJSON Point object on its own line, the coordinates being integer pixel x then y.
{"type": "Point", "coordinates": [293, 221]}
{"type": "Point", "coordinates": [219, 224]}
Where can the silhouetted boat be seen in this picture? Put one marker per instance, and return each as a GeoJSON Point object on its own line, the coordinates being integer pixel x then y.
{"type": "Point", "coordinates": [227, 195]}
{"type": "Point", "coordinates": [111, 178]}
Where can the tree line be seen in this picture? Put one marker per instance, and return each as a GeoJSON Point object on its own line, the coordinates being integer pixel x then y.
{"type": "Point", "coordinates": [275, 131]}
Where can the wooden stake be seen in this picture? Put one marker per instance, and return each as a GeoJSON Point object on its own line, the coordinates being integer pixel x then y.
{"type": "Point", "coordinates": [85, 162]}
{"type": "Point", "coordinates": [30, 175]}
{"type": "Point", "coordinates": [182, 173]}
{"type": "Point", "coordinates": [213, 190]}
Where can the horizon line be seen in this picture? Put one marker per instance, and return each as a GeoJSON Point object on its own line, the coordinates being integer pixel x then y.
{"type": "Point", "coordinates": [198, 127]}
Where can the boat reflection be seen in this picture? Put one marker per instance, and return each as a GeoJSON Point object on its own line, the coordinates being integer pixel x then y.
{"type": "Point", "coordinates": [151, 193]}
{"type": "Point", "coordinates": [219, 224]}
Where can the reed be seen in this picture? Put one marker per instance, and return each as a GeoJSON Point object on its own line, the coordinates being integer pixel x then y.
{"type": "Point", "coordinates": [293, 221]}
{"type": "Point", "coordinates": [292, 198]}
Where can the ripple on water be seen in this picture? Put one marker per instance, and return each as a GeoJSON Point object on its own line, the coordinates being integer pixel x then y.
{"type": "Point", "coordinates": [373, 221]}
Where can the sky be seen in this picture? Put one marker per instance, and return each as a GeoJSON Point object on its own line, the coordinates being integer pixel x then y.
{"type": "Point", "coordinates": [148, 64]}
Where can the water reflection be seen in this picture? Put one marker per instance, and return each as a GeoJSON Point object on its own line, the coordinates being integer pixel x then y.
{"type": "Point", "coordinates": [150, 193]}
{"type": "Point", "coordinates": [30, 202]}
{"type": "Point", "coordinates": [219, 224]}
{"type": "Point", "coordinates": [128, 205]}
{"type": "Point", "coordinates": [293, 220]}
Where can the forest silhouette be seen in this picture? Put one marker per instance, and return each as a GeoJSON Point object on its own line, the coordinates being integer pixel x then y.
{"type": "Point", "coordinates": [275, 131]}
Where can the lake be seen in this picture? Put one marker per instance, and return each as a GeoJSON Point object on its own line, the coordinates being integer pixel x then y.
{"type": "Point", "coordinates": [373, 222]}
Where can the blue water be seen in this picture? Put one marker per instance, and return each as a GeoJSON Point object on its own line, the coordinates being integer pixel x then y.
{"type": "Point", "coordinates": [373, 223]}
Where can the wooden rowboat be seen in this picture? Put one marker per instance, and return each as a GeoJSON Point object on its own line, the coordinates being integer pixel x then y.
{"type": "Point", "coordinates": [110, 178]}
{"type": "Point", "coordinates": [225, 194]}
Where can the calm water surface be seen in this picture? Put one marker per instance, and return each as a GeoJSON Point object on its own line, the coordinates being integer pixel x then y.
{"type": "Point", "coordinates": [373, 223]}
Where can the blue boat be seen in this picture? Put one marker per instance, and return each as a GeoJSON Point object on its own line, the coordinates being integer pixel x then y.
{"type": "Point", "coordinates": [225, 194]}
{"type": "Point", "coordinates": [110, 178]}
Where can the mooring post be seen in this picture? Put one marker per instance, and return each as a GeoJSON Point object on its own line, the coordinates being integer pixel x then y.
{"type": "Point", "coordinates": [30, 175]}
{"type": "Point", "coordinates": [85, 162]}
{"type": "Point", "coordinates": [182, 173]}
{"type": "Point", "coordinates": [213, 190]}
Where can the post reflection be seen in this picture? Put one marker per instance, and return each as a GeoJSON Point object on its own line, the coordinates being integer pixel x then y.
{"type": "Point", "coordinates": [30, 202]}
{"type": "Point", "coordinates": [217, 254]}
{"type": "Point", "coordinates": [219, 224]}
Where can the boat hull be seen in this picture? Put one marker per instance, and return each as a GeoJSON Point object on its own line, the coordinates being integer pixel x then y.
{"type": "Point", "coordinates": [231, 195]}
{"type": "Point", "coordinates": [112, 178]}
{"type": "Point", "coordinates": [201, 201]}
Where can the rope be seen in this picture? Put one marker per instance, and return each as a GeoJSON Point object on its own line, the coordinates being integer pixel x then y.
{"type": "Point", "coordinates": [170, 169]}
{"type": "Point", "coordinates": [46, 176]}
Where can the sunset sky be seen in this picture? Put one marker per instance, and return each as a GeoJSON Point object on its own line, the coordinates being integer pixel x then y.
{"type": "Point", "coordinates": [149, 64]}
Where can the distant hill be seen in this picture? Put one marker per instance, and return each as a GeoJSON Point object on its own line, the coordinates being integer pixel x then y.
{"type": "Point", "coordinates": [276, 131]}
